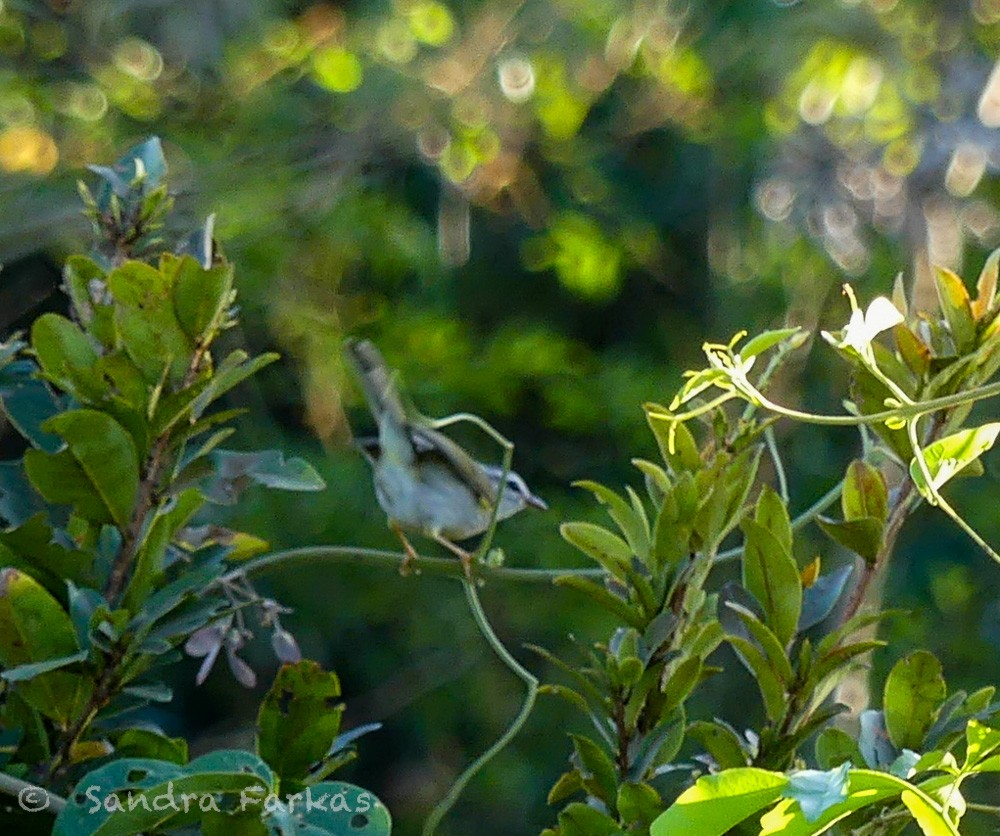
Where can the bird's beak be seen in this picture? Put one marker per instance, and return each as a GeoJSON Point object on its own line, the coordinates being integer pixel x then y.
{"type": "Point", "coordinates": [536, 502]}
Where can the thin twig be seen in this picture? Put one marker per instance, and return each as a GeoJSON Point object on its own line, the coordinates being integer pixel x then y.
{"type": "Point", "coordinates": [531, 684]}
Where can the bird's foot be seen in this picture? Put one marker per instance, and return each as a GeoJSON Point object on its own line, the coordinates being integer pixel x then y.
{"type": "Point", "coordinates": [466, 558]}
{"type": "Point", "coordinates": [410, 554]}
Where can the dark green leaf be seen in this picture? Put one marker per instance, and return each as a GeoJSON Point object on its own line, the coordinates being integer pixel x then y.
{"type": "Point", "coordinates": [835, 746]}
{"type": "Point", "coordinates": [299, 720]}
{"type": "Point", "coordinates": [862, 536]}
{"type": "Point", "coordinates": [608, 600]}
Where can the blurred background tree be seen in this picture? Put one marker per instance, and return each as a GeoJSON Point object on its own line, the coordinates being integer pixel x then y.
{"type": "Point", "coordinates": [539, 209]}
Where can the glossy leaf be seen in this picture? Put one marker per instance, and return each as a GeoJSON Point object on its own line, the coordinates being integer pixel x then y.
{"type": "Point", "coordinates": [947, 456]}
{"type": "Point", "coordinates": [719, 802]}
{"type": "Point", "coordinates": [36, 631]}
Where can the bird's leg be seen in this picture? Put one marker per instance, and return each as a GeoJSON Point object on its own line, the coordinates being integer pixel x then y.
{"type": "Point", "coordinates": [411, 553]}
{"type": "Point", "coordinates": [463, 555]}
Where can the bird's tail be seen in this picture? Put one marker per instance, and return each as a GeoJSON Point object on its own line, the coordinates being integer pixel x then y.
{"type": "Point", "coordinates": [377, 381]}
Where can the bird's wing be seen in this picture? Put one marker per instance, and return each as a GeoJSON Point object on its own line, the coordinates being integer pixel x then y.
{"type": "Point", "coordinates": [430, 442]}
{"type": "Point", "coordinates": [377, 382]}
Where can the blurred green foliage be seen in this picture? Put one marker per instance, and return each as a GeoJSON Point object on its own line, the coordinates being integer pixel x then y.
{"type": "Point", "coordinates": [539, 210]}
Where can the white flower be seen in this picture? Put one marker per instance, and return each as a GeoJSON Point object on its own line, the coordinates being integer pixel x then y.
{"type": "Point", "coordinates": [864, 327]}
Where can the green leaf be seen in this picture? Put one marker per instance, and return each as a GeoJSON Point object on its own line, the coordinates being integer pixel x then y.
{"type": "Point", "coordinates": [201, 296]}
{"type": "Point", "coordinates": [35, 629]}
{"type": "Point", "coordinates": [957, 308]}
{"type": "Point", "coordinates": [597, 769]}
{"type": "Point", "coordinates": [947, 456]}
{"type": "Point", "coordinates": [299, 720]}
{"type": "Point", "coordinates": [684, 457]}
{"type": "Point", "coordinates": [772, 691]}
{"type": "Point", "coordinates": [865, 493]}
{"type": "Point", "coordinates": [608, 550]}
{"type": "Point", "coordinates": [980, 742]}
{"type": "Point", "coordinates": [339, 808]}
{"type": "Point", "coordinates": [22, 673]}
{"type": "Point", "coordinates": [986, 287]}
{"type": "Point", "coordinates": [912, 698]}
{"type": "Point", "coordinates": [772, 513]}
{"type": "Point", "coordinates": [99, 472]}
{"type": "Point", "coordinates": [682, 680]}
{"type": "Point", "coordinates": [928, 815]}
{"type": "Point", "coordinates": [638, 803]}
{"type": "Point", "coordinates": [835, 746]}
{"type": "Point", "coordinates": [608, 600]}
{"type": "Point", "coordinates": [28, 403]}
{"type": "Point", "coordinates": [34, 547]}
{"type": "Point", "coordinates": [863, 536]}
{"type": "Point", "coordinates": [84, 281]}
{"type": "Point", "coordinates": [578, 819]}
{"type": "Point", "coordinates": [231, 372]}
{"type": "Point", "coordinates": [567, 785]}
{"type": "Point", "coordinates": [721, 742]}
{"type": "Point", "coordinates": [66, 355]}
{"type": "Point", "coordinates": [631, 523]}
{"type": "Point", "coordinates": [149, 743]}
{"type": "Point", "coordinates": [719, 802]}
{"type": "Point", "coordinates": [767, 641]}
{"type": "Point", "coordinates": [146, 323]}
{"type": "Point", "coordinates": [866, 788]}
{"type": "Point", "coordinates": [765, 340]}
{"type": "Point", "coordinates": [143, 780]}
{"type": "Point", "coordinates": [169, 518]}
{"type": "Point", "coordinates": [771, 576]}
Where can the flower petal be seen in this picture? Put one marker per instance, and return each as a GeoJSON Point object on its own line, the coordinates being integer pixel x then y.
{"type": "Point", "coordinates": [881, 316]}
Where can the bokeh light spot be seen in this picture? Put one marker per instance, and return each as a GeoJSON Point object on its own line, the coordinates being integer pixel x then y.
{"type": "Point", "coordinates": [517, 78]}
{"type": "Point", "coordinates": [138, 59]}
{"type": "Point", "coordinates": [28, 149]}
{"type": "Point", "coordinates": [431, 23]}
{"type": "Point", "coordinates": [337, 69]}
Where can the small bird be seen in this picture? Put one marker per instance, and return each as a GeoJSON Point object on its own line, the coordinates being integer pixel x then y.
{"type": "Point", "coordinates": [424, 481]}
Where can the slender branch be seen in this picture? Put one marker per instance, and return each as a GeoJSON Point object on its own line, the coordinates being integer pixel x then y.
{"type": "Point", "coordinates": [448, 567]}
{"type": "Point", "coordinates": [779, 468]}
{"type": "Point", "coordinates": [375, 558]}
{"type": "Point", "coordinates": [914, 410]}
{"type": "Point", "coordinates": [31, 797]}
{"type": "Point", "coordinates": [531, 684]}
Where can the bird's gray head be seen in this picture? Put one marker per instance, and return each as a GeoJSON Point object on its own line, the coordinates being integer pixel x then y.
{"type": "Point", "coordinates": [516, 494]}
